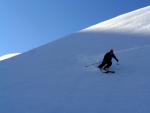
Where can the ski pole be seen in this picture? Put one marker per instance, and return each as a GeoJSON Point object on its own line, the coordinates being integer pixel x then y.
{"type": "Point", "coordinates": [92, 64]}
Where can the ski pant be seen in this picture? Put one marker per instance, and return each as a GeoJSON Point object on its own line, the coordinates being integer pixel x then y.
{"type": "Point", "coordinates": [107, 63]}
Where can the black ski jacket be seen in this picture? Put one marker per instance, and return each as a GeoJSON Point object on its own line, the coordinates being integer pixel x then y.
{"type": "Point", "coordinates": [108, 57]}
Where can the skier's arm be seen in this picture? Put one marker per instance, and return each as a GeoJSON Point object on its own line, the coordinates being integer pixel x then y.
{"type": "Point", "coordinates": [115, 58]}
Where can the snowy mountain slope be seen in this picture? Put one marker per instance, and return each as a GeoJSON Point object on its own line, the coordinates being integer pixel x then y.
{"type": "Point", "coordinates": [53, 78]}
{"type": "Point", "coordinates": [135, 22]}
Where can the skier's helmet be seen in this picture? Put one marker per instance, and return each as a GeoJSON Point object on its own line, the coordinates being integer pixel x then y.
{"type": "Point", "coordinates": [112, 51]}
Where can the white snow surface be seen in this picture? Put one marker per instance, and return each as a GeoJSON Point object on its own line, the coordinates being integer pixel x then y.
{"type": "Point", "coordinates": [53, 78]}
{"type": "Point", "coordinates": [4, 57]}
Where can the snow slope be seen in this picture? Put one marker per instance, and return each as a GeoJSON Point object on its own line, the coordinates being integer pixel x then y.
{"type": "Point", "coordinates": [53, 78]}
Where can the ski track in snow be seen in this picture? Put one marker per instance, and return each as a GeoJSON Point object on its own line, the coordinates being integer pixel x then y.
{"type": "Point", "coordinates": [132, 49]}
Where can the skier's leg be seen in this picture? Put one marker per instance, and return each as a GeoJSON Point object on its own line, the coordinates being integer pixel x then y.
{"type": "Point", "coordinates": [102, 64]}
{"type": "Point", "coordinates": [108, 65]}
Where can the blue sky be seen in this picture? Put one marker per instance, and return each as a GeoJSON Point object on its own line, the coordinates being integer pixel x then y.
{"type": "Point", "coordinates": [27, 24]}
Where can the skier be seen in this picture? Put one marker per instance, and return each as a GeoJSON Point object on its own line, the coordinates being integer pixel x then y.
{"type": "Point", "coordinates": [107, 60]}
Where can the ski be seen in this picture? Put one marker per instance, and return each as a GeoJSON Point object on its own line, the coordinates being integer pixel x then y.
{"type": "Point", "coordinates": [109, 72]}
